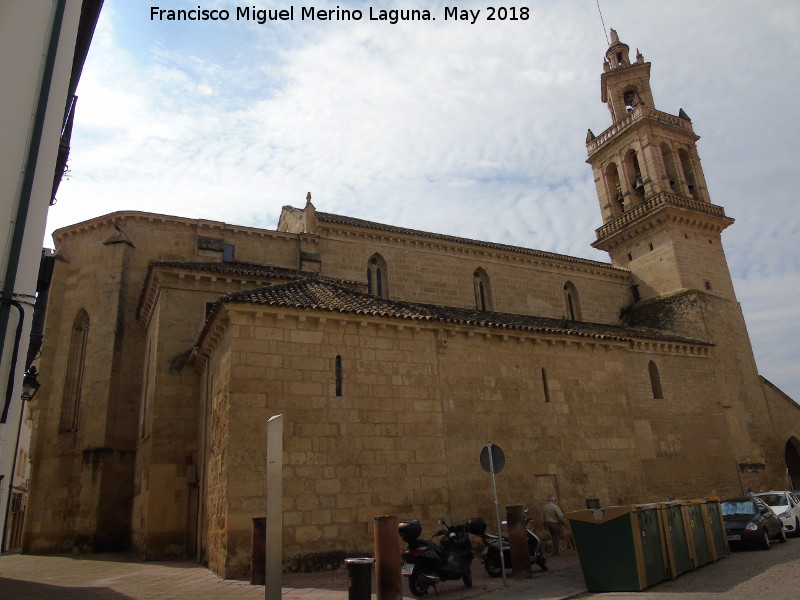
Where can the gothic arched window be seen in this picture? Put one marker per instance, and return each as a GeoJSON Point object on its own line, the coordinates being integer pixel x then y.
{"type": "Point", "coordinates": [377, 276]}
{"type": "Point", "coordinates": [571, 302]}
{"type": "Point", "coordinates": [483, 291]}
{"type": "Point", "coordinates": [655, 381]}
{"type": "Point", "coordinates": [73, 381]}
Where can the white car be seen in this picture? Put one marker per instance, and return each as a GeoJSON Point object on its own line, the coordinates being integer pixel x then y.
{"type": "Point", "coordinates": [786, 505]}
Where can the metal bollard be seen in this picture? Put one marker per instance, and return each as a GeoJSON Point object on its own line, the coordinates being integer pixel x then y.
{"type": "Point", "coordinates": [359, 578]}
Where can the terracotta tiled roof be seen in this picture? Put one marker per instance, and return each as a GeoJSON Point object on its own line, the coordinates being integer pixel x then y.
{"type": "Point", "coordinates": [325, 296]}
{"type": "Point", "coordinates": [352, 222]}
{"type": "Point", "coordinates": [235, 269]}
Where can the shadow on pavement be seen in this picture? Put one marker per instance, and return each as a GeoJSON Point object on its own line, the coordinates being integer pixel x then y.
{"type": "Point", "coordinates": [28, 590]}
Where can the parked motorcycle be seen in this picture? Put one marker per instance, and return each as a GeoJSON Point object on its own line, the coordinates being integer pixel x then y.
{"type": "Point", "coordinates": [491, 551]}
{"type": "Point", "coordinates": [427, 563]}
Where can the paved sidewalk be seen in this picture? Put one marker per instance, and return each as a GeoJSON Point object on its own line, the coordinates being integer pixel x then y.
{"type": "Point", "coordinates": [121, 577]}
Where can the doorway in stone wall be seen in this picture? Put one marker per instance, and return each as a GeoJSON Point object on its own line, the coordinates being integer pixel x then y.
{"type": "Point", "coordinates": [792, 458]}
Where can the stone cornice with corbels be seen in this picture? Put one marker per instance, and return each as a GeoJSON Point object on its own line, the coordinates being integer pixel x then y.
{"type": "Point", "coordinates": [661, 209]}
{"type": "Point", "coordinates": [638, 115]}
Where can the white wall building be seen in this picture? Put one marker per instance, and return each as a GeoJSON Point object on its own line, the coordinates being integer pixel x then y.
{"type": "Point", "coordinates": [43, 45]}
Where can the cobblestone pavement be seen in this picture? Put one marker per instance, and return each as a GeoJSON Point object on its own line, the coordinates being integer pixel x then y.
{"type": "Point", "coordinates": [121, 577]}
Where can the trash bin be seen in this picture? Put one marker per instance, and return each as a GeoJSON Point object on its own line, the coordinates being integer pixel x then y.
{"type": "Point", "coordinates": [679, 556]}
{"type": "Point", "coordinates": [359, 578]}
{"type": "Point", "coordinates": [715, 529]}
{"type": "Point", "coordinates": [619, 547]}
{"type": "Point", "coordinates": [695, 517]}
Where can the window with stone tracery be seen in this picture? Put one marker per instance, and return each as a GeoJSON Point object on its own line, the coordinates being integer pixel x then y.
{"type": "Point", "coordinates": [571, 303]}
{"type": "Point", "coordinates": [377, 276]}
{"type": "Point", "coordinates": [482, 289]}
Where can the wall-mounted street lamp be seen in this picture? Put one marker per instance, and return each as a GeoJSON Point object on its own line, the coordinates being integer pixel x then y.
{"type": "Point", "coordinates": [30, 384]}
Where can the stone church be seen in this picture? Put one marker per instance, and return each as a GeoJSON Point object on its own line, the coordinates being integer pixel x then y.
{"type": "Point", "coordinates": [394, 356]}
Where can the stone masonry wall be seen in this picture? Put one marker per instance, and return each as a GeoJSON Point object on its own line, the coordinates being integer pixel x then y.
{"type": "Point", "coordinates": [405, 435]}
{"type": "Point", "coordinates": [442, 273]}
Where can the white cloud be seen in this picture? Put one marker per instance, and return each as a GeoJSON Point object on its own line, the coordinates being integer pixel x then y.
{"type": "Point", "coordinates": [471, 130]}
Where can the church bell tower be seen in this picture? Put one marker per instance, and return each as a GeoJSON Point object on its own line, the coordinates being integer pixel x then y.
{"type": "Point", "coordinates": [658, 219]}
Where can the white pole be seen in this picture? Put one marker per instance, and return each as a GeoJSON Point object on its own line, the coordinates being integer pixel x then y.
{"type": "Point", "coordinates": [274, 526]}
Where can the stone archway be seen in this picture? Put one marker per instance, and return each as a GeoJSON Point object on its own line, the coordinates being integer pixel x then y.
{"type": "Point", "coordinates": [792, 459]}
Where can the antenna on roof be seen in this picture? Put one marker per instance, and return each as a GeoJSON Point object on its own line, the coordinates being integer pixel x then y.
{"type": "Point", "coordinates": [602, 21]}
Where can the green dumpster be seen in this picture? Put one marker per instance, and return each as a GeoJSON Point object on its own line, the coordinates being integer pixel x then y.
{"type": "Point", "coordinates": [676, 539]}
{"type": "Point", "coordinates": [715, 529]}
{"type": "Point", "coordinates": [619, 547]}
{"type": "Point", "coordinates": [695, 517]}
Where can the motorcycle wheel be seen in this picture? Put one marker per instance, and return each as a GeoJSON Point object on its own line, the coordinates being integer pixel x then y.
{"type": "Point", "coordinates": [417, 587]}
{"type": "Point", "coordinates": [492, 564]}
{"type": "Point", "coordinates": [542, 562]}
{"type": "Point", "coordinates": [467, 580]}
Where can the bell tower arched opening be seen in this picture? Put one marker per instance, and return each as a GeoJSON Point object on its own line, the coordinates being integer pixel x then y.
{"type": "Point", "coordinates": [669, 165]}
{"type": "Point", "coordinates": [614, 190]}
{"type": "Point", "coordinates": [634, 176]}
{"type": "Point", "coordinates": [688, 173]}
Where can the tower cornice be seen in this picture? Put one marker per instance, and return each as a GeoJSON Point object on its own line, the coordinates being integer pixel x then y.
{"type": "Point", "coordinates": [637, 116]}
{"type": "Point", "coordinates": [662, 207]}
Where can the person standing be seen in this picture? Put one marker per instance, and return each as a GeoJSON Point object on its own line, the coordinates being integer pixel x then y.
{"type": "Point", "coordinates": [553, 519]}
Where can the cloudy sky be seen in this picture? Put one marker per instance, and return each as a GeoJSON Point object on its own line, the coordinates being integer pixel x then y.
{"type": "Point", "coordinates": [470, 129]}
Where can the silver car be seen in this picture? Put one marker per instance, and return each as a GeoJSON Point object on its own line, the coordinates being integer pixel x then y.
{"type": "Point", "coordinates": [787, 506]}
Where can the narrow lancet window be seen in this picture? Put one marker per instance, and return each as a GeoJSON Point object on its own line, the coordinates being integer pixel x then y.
{"type": "Point", "coordinates": [482, 289]}
{"type": "Point", "coordinates": [571, 302]}
{"type": "Point", "coordinates": [377, 276]}
{"type": "Point", "coordinates": [655, 381]}
{"type": "Point", "coordinates": [73, 381]}
{"type": "Point", "coordinates": [545, 386]}
{"type": "Point", "coordinates": [338, 374]}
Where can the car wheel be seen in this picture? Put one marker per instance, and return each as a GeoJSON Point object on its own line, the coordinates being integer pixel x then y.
{"type": "Point", "coordinates": [782, 535]}
{"type": "Point", "coordinates": [796, 527]}
{"type": "Point", "coordinates": [765, 540]}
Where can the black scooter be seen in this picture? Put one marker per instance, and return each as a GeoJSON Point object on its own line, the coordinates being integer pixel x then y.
{"type": "Point", "coordinates": [491, 551]}
{"type": "Point", "coordinates": [427, 563]}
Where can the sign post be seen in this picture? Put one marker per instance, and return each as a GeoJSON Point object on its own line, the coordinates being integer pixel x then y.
{"type": "Point", "coordinates": [274, 525]}
{"type": "Point", "coordinates": [493, 459]}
